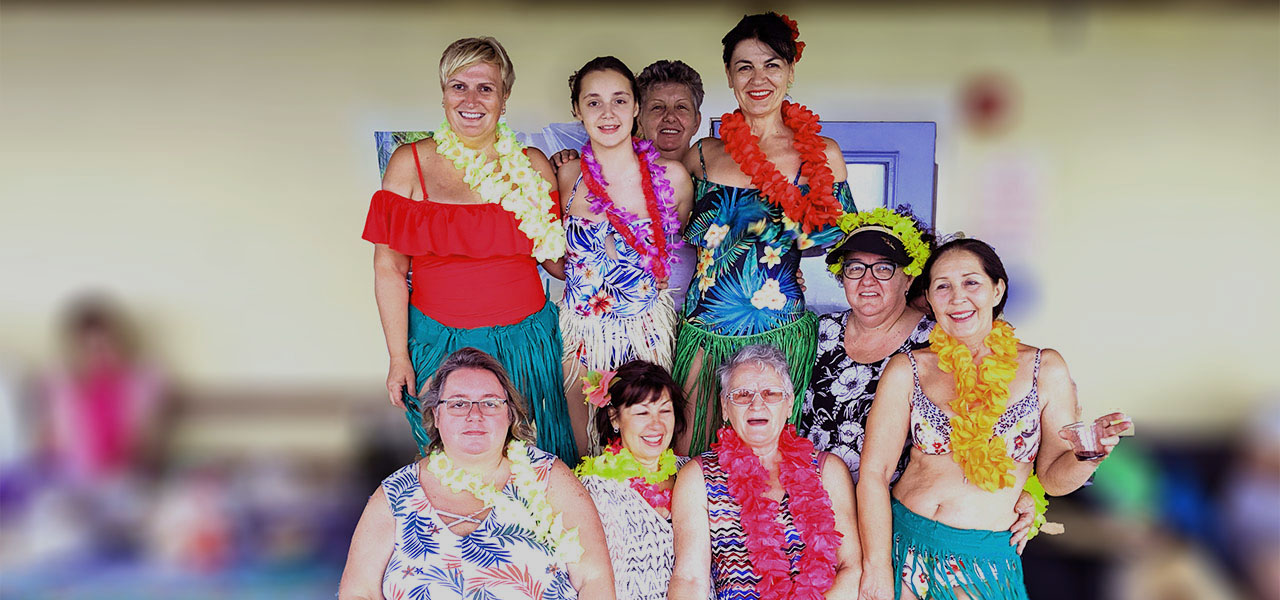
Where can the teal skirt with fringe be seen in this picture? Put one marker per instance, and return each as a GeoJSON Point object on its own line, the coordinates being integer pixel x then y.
{"type": "Point", "coordinates": [934, 559]}
{"type": "Point", "coordinates": [798, 340]}
{"type": "Point", "coordinates": [530, 352]}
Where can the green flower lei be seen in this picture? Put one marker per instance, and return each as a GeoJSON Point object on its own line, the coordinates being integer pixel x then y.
{"type": "Point", "coordinates": [901, 227]}
{"type": "Point", "coordinates": [623, 466]}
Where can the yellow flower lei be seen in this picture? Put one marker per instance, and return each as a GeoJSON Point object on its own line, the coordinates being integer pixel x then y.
{"type": "Point", "coordinates": [623, 466]}
{"type": "Point", "coordinates": [510, 181]}
{"type": "Point", "coordinates": [982, 392]}
{"type": "Point", "coordinates": [532, 511]}
{"type": "Point", "coordinates": [900, 226]}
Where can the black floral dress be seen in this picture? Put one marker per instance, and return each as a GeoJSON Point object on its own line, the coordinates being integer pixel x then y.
{"type": "Point", "coordinates": [836, 405]}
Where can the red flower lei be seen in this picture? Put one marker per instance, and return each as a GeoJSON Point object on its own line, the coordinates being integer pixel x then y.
{"type": "Point", "coordinates": [657, 257]}
{"type": "Point", "coordinates": [810, 509]}
{"type": "Point", "coordinates": [815, 209]}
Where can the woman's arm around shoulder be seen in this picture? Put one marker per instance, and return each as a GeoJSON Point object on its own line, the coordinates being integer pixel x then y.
{"type": "Point", "coordinates": [543, 166]}
{"type": "Point", "coordinates": [371, 547]}
{"type": "Point", "coordinates": [592, 575]}
{"type": "Point", "coordinates": [691, 576]}
{"type": "Point", "coordinates": [681, 185]}
{"type": "Point", "coordinates": [835, 160]}
{"type": "Point", "coordinates": [566, 177]}
{"type": "Point", "coordinates": [839, 486]}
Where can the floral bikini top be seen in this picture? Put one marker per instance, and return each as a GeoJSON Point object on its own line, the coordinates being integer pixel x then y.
{"type": "Point", "coordinates": [1019, 426]}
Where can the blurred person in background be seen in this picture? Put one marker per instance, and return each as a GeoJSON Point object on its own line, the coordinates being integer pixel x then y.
{"type": "Point", "coordinates": [471, 213]}
{"type": "Point", "coordinates": [631, 481]}
{"type": "Point", "coordinates": [769, 189]}
{"type": "Point", "coordinates": [1251, 507]}
{"type": "Point", "coordinates": [763, 515]}
{"type": "Point", "coordinates": [943, 533]}
{"type": "Point", "coordinates": [104, 400]}
{"type": "Point", "coordinates": [484, 509]}
{"type": "Point", "coordinates": [101, 425]}
{"type": "Point", "coordinates": [624, 209]}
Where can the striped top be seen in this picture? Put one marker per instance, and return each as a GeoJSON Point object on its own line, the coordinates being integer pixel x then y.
{"type": "Point", "coordinates": [732, 573]}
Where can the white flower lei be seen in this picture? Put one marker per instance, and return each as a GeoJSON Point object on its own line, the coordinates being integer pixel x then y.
{"type": "Point", "coordinates": [534, 513]}
{"type": "Point", "coordinates": [510, 181]}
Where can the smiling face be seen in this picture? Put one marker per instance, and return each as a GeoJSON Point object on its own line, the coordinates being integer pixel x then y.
{"type": "Point", "coordinates": [758, 77]}
{"type": "Point", "coordinates": [758, 424]}
{"type": "Point", "coordinates": [646, 427]}
{"type": "Point", "coordinates": [474, 433]}
{"type": "Point", "coordinates": [669, 118]}
{"type": "Point", "coordinates": [606, 107]}
{"type": "Point", "coordinates": [871, 297]}
{"type": "Point", "coordinates": [474, 100]}
{"type": "Point", "coordinates": [963, 296]}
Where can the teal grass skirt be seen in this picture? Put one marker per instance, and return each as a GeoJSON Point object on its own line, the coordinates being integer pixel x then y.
{"type": "Point", "coordinates": [530, 352]}
{"type": "Point", "coordinates": [798, 340]}
{"type": "Point", "coordinates": [934, 559]}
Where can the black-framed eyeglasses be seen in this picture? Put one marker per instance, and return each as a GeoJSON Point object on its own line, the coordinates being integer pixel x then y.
{"type": "Point", "coordinates": [882, 270]}
{"type": "Point", "coordinates": [489, 407]}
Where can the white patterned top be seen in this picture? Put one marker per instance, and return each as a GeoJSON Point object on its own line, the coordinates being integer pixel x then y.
{"type": "Point", "coordinates": [641, 543]}
{"type": "Point", "coordinates": [497, 561]}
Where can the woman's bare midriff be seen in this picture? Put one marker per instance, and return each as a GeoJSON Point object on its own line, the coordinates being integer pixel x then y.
{"type": "Point", "coordinates": [933, 486]}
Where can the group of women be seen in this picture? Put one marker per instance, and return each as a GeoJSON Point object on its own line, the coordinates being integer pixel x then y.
{"type": "Point", "coordinates": [505, 390]}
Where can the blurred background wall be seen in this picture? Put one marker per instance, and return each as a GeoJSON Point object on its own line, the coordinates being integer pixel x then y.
{"type": "Point", "coordinates": [209, 166]}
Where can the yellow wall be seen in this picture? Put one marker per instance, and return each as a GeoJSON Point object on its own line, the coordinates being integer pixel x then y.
{"type": "Point", "coordinates": [212, 165]}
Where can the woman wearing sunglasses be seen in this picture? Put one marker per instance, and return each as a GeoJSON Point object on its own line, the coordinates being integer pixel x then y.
{"type": "Point", "coordinates": [763, 515]}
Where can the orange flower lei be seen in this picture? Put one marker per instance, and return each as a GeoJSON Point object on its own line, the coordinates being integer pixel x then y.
{"type": "Point", "coordinates": [982, 392]}
{"type": "Point", "coordinates": [813, 210]}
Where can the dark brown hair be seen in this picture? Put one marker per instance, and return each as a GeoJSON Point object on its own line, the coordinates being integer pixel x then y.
{"type": "Point", "coordinates": [637, 382]}
{"type": "Point", "coordinates": [769, 28]}
{"type": "Point", "coordinates": [987, 257]}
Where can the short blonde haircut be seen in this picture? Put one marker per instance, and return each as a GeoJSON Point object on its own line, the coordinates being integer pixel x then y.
{"type": "Point", "coordinates": [468, 52]}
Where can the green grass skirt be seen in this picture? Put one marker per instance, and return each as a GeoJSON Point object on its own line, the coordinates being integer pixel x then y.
{"type": "Point", "coordinates": [530, 352]}
{"type": "Point", "coordinates": [940, 558]}
{"type": "Point", "coordinates": [798, 340]}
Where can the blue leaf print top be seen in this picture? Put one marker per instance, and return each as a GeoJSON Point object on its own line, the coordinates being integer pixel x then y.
{"type": "Point", "coordinates": [745, 281]}
{"type": "Point", "coordinates": [611, 287]}
{"type": "Point", "coordinates": [497, 561]}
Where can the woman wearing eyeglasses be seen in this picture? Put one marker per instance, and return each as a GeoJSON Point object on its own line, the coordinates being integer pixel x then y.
{"type": "Point", "coordinates": [877, 261]}
{"type": "Point", "coordinates": [484, 510]}
{"type": "Point", "coordinates": [881, 254]}
{"type": "Point", "coordinates": [763, 515]}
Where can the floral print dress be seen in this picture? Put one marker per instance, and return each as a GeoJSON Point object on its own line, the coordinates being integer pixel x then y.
{"type": "Point", "coordinates": [839, 397]}
{"type": "Point", "coordinates": [745, 279]}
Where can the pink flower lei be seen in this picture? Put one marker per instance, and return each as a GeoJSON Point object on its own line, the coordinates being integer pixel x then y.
{"type": "Point", "coordinates": [652, 493]}
{"type": "Point", "coordinates": [810, 509]}
{"type": "Point", "coordinates": [656, 255]}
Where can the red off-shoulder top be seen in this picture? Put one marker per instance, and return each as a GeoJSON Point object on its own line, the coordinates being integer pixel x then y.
{"type": "Point", "coordinates": [471, 264]}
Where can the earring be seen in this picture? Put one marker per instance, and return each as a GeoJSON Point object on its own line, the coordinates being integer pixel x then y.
{"type": "Point", "coordinates": [615, 429]}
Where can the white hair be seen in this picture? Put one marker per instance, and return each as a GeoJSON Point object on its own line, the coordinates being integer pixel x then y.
{"type": "Point", "coordinates": [761, 355]}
